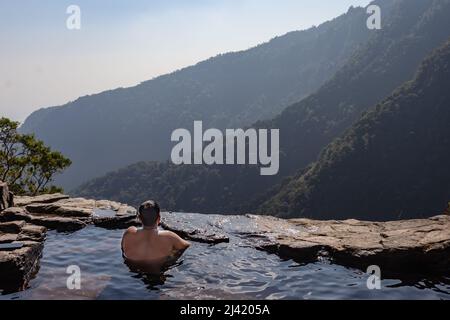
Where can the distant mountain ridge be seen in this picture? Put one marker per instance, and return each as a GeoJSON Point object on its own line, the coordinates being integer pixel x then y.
{"type": "Point", "coordinates": [412, 29]}
{"type": "Point", "coordinates": [106, 131]}
{"type": "Point", "coordinates": [391, 56]}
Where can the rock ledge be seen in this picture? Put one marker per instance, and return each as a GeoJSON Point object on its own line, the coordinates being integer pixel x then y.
{"type": "Point", "coordinates": [25, 222]}
{"type": "Point", "coordinates": [421, 245]}
{"type": "Point", "coordinates": [18, 266]}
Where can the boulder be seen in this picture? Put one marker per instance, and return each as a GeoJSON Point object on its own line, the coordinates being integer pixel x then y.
{"type": "Point", "coordinates": [18, 266]}
{"type": "Point", "coordinates": [6, 197]}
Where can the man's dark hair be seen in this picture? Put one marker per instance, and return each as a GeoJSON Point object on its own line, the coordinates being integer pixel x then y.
{"type": "Point", "coordinates": [149, 212]}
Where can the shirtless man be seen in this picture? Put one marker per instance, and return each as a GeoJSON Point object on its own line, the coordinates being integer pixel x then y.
{"type": "Point", "coordinates": [149, 246]}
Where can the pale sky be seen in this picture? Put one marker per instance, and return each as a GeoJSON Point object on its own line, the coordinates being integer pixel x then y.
{"type": "Point", "coordinates": [124, 42]}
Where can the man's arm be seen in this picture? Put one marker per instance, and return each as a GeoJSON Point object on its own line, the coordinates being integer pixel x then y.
{"type": "Point", "coordinates": [179, 243]}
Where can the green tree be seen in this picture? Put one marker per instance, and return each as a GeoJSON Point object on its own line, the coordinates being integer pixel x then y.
{"type": "Point", "coordinates": [27, 164]}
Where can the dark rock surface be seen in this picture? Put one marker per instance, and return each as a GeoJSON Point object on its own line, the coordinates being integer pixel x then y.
{"type": "Point", "coordinates": [6, 197]}
{"type": "Point", "coordinates": [18, 266]}
{"type": "Point", "coordinates": [201, 231]}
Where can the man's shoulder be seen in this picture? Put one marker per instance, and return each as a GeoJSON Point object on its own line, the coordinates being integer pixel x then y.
{"type": "Point", "coordinates": [172, 236]}
{"type": "Point", "coordinates": [131, 231]}
{"type": "Point", "coordinates": [168, 234]}
{"type": "Point", "coordinates": [176, 240]}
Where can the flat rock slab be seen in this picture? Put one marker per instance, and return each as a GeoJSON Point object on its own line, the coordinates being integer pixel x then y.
{"type": "Point", "coordinates": [18, 266]}
{"type": "Point", "coordinates": [70, 214]}
{"type": "Point", "coordinates": [194, 227]}
{"type": "Point", "coordinates": [398, 246]}
{"type": "Point", "coordinates": [421, 245]}
{"type": "Point", "coordinates": [46, 198]}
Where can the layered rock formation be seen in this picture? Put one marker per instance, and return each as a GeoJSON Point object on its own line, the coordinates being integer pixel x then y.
{"type": "Point", "coordinates": [59, 212]}
{"type": "Point", "coordinates": [24, 223]}
{"type": "Point", "coordinates": [18, 266]}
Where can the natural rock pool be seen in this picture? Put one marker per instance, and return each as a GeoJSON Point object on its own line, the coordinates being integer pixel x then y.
{"type": "Point", "coordinates": [232, 270]}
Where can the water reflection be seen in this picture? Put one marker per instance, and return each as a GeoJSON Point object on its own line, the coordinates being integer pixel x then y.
{"type": "Point", "coordinates": [153, 273]}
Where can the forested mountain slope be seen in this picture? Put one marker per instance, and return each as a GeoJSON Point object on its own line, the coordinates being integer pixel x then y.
{"type": "Point", "coordinates": [392, 164]}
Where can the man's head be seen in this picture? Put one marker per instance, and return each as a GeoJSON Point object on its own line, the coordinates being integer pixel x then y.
{"type": "Point", "coordinates": [149, 213]}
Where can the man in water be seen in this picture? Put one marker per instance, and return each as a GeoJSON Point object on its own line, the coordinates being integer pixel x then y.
{"type": "Point", "coordinates": [149, 246]}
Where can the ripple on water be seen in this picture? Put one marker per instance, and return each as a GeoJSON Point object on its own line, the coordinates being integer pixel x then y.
{"type": "Point", "coordinates": [224, 271]}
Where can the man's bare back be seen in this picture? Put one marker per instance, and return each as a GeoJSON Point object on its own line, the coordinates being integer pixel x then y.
{"type": "Point", "coordinates": [149, 247]}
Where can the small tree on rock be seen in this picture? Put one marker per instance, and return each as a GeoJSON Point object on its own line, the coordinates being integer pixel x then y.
{"type": "Point", "coordinates": [27, 165]}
